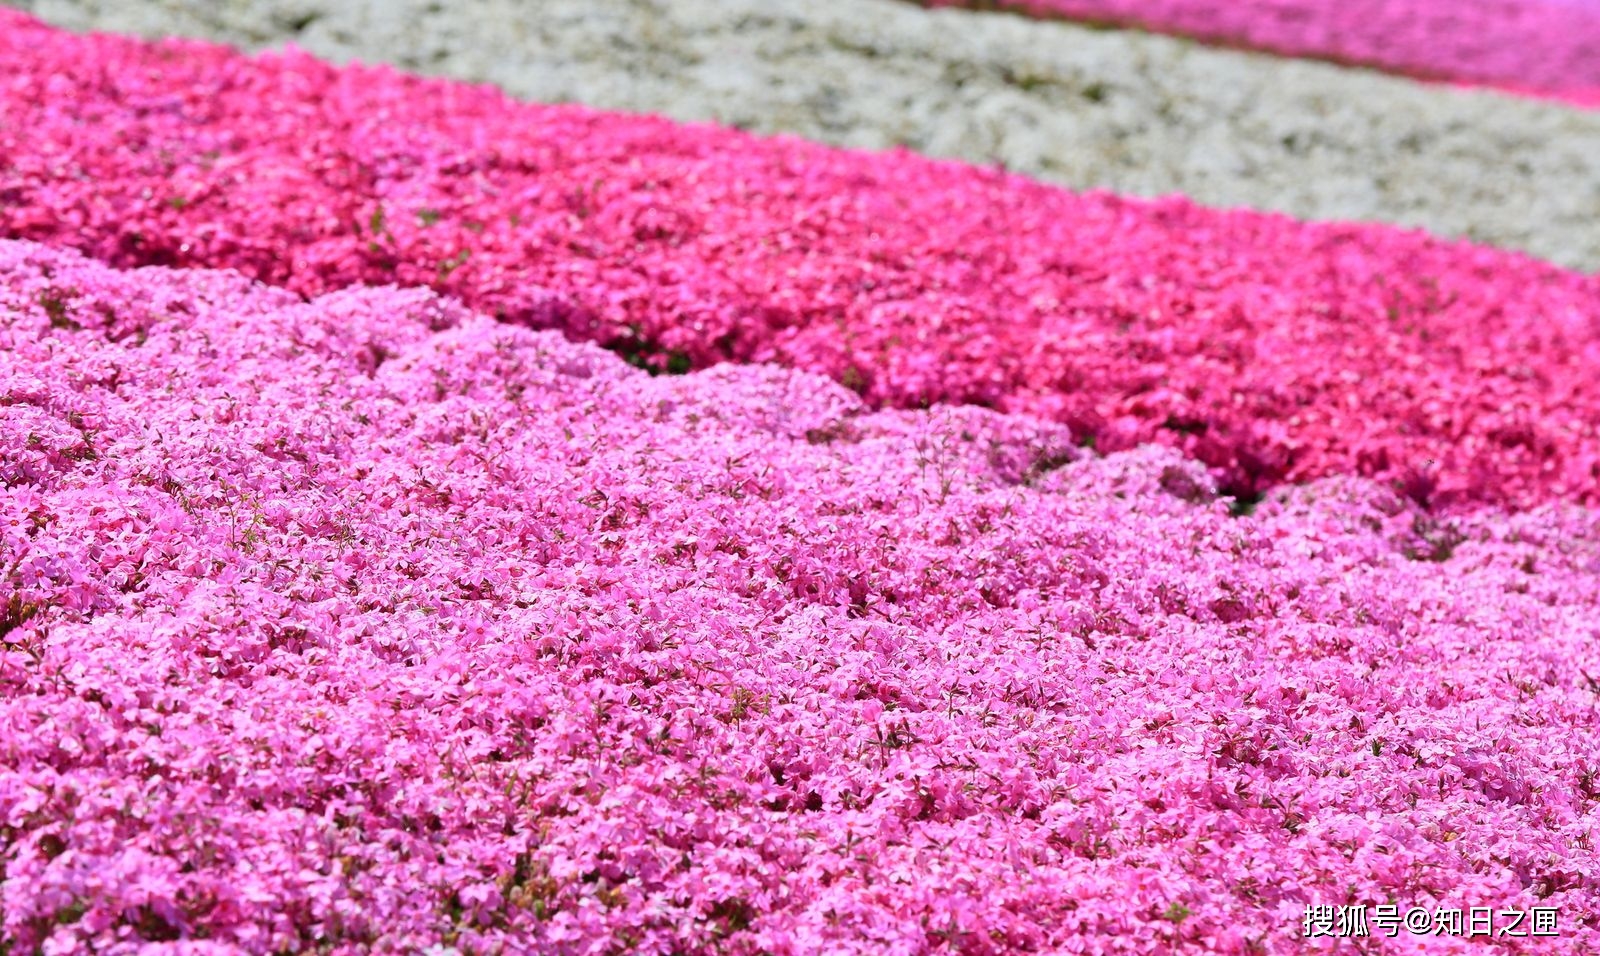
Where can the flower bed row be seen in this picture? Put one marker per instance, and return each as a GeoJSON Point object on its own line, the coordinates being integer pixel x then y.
{"type": "Point", "coordinates": [1128, 111]}
{"type": "Point", "coordinates": [1272, 350]}
{"type": "Point", "coordinates": [1539, 46]}
{"type": "Point", "coordinates": [368, 624]}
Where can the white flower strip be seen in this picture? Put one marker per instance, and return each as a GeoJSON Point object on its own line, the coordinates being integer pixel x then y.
{"type": "Point", "coordinates": [1129, 112]}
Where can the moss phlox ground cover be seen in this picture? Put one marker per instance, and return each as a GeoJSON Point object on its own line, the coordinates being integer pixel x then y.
{"type": "Point", "coordinates": [370, 623]}
{"type": "Point", "coordinates": [1270, 350]}
{"type": "Point", "coordinates": [1541, 47]}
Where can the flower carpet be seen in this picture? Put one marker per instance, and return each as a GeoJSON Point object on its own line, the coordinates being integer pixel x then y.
{"type": "Point", "coordinates": [402, 626]}
{"type": "Point", "coordinates": [1541, 47]}
{"type": "Point", "coordinates": [1230, 335]}
{"type": "Point", "coordinates": [1130, 111]}
{"type": "Point", "coordinates": [433, 523]}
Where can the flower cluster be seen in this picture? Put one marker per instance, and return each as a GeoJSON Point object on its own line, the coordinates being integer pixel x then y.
{"type": "Point", "coordinates": [368, 623]}
{"type": "Point", "coordinates": [1542, 47]}
{"type": "Point", "coordinates": [1272, 351]}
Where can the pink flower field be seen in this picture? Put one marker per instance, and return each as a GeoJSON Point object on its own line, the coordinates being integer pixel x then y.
{"type": "Point", "coordinates": [1229, 335]}
{"type": "Point", "coordinates": [1540, 47]}
{"type": "Point", "coordinates": [400, 626]}
{"type": "Point", "coordinates": [432, 523]}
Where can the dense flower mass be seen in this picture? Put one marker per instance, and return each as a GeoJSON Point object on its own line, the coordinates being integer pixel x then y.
{"type": "Point", "coordinates": [1537, 46]}
{"type": "Point", "coordinates": [1123, 110]}
{"type": "Point", "coordinates": [1271, 351]}
{"type": "Point", "coordinates": [369, 623]}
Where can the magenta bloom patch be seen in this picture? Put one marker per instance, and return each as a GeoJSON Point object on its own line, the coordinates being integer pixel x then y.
{"type": "Point", "coordinates": [1273, 351]}
{"type": "Point", "coordinates": [1543, 47]}
{"type": "Point", "coordinates": [371, 624]}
